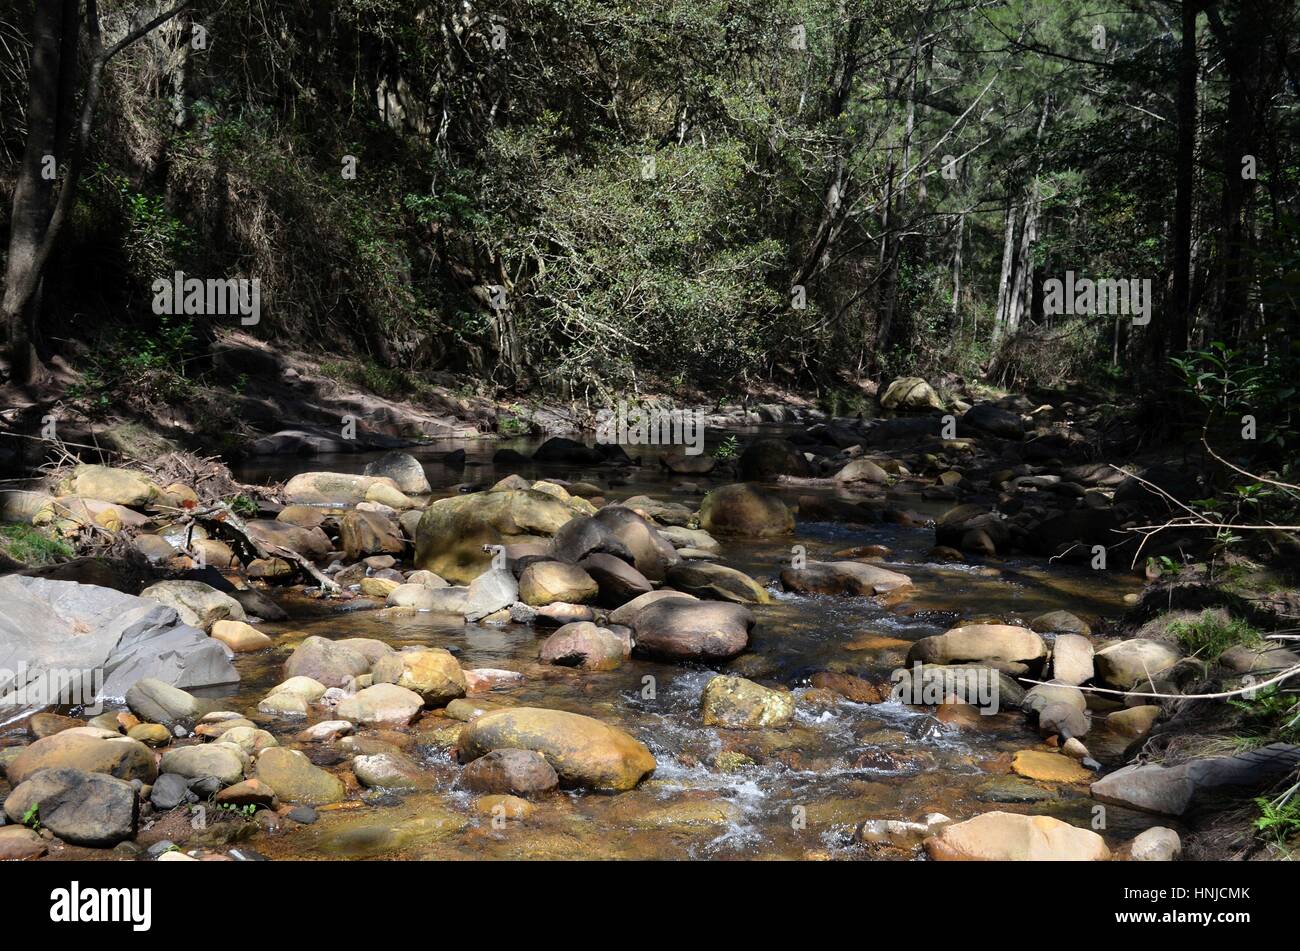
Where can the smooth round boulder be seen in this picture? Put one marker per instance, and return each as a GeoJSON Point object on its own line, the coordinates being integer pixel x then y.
{"type": "Point", "coordinates": [1003, 643]}
{"type": "Point", "coordinates": [1132, 662]}
{"type": "Point", "coordinates": [382, 704]}
{"type": "Point", "coordinates": [545, 582]}
{"type": "Point", "coordinates": [326, 661]}
{"type": "Point", "coordinates": [717, 583]}
{"type": "Point", "coordinates": [87, 749]}
{"type": "Point", "coordinates": [240, 637]}
{"type": "Point", "coordinates": [293, 777]}
{"type": "Point", "coordinates": [221, 761]}
{"type": "Point", "coordinates": [583, 752]}
{"type": "Point", "coordinates": [431, 672]}
{"type": "Point", "coordinates": [910, 392]}
{"type": "Point", "coordinates": [1072, 659]}
{"type": "Point", "coordinates": [617, 581]}
{"type": "Point", "coordinates": [853, 578]}
{"type": "Point", "coordinates": [198, 604]}
{"type": "Point", "coordinates": [511, 772]}
{"type": "Point", "coordinates": [746, 511]}
{"type": "Point", "coordinates": [1010, 837]}
{"type": "Point", "coordinates": [404, 469]}
{"type": "Point", "coordinates": [155, 701]}
{"type": "Point", "coordinates": [768, 457]}
{"type": "Point", "coordinates": [452, 533]}
{"type": "Point", "coordinates": [628, 612]}
{"type": "Point", "coordinates": [677, 629]}
{"type": "Point", "coordinates": [583, 644]}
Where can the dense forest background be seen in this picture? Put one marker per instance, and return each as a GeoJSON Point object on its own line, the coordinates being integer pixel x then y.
{"type": "Point", "coordinates": [597, 197]}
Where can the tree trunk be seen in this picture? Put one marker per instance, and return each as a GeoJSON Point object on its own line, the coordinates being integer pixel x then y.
{"type": "Point", "coordinates": [1175, 336]}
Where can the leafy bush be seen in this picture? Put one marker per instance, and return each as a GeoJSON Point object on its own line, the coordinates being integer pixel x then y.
{"type": "Point", "coordinates": [1210, 634]}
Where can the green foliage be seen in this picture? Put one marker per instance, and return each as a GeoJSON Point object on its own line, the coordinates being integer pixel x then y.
{"type": "Point", "coordinates": [727, 450]}
{"type": "Point", "coordinates": [32, 546]}
{"type": "Point", "coordinates": [31, 818]}
{"type": "Point", "coordinates": [244, 506]}
{"type": "Point", "coordinates": [1210, 635]}
{"type": "Point", "coordinates": [144, 367]}
{"type": "Point", "coordinates": [1280, 819]}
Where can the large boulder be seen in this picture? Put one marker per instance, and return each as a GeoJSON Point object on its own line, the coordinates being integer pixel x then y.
{"type": "Point", "coordinates": [431, 672]}
{"type": "Point", "coordinates": [330, 662]}
{"type": "Point", "coordinates": [1210, 783]}
{"type": "Point", "coordinates": [1072, 659]}
{"type": "Point", "coordinates": [739, 704]}
{"type": "Point", "coordinates": [490, 592]}
{"type": "Point", "coordinates": [293, 777]}
{"type": "Point", "coordinates": [364, 533]}
{"type": "Point", "coordinates": [51, 629]}
{"type": "Point", "coordinates": [1137, 661]}
{"type": "Point", "coordinates": [196, 603]}
{"type": "Point", "coordinates": [333, 488]}
{"type": "Point", "coordinates": [862, 470]}
{"type": "Point", "coordinates": [583, 752]}
{"type": "Point", "coordinates": [992, 419]}
{"type": "Point", "coordinates": [842, 577]}
{"type": "Point", "coordinates": [1011, 837]}
{"type": "Point", "coordinates": [767, 458]}
{"type": "Point", "coordinates": [1060, 708]}
{"type": "Point", "coordinates": [155, 701]}
{"type": "Point", "coordinates": [558, 449]}
{"type": "Point", "coordinates": [746, 511]}
{"type": "Point", "coordinates": [312, 543]}
{"type": "Point", "coordinates": [88, 749]}
{"type": "Point", "coordinates": [910, 392]}
{"type": "Point", "coordinates": [583, 644]}
{"type": "Point", "coordinates": [717, 582]}
{"type": "Point", "coordinates": [680, 629]}
{"type": "Point", "coordinates": [628, 612]}
{"type": "Point", "coordinates": [405, 471]}
{"type": "Point", "coordinates": [81, 808]}
{"type": "Point", "coordinates": [652, 554]}
{"type": "Point", "coordinates": [223, 762]}
{"type": "Point", "coordinates": [545, 582]}
{"type": "Point", "coordinates": [118, 486]}
{"type": "Point", "coordinates": [1003, 643]}
{"type": "Point", "coordinates": [452, 533]}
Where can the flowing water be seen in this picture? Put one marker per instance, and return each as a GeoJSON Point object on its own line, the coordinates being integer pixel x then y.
{"type": "Point", "coordinates": [796, 792]}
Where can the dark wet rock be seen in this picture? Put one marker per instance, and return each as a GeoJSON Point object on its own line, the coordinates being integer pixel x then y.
{"type": "Point", "coordinates": [992, 419]}
{"type": "Point", "coordinates": [678, 629]}
{"type": "Point", "coordinates": [558, 449]}
{"type": "Point", "coordinates": [717, 583]}
{"type": "Point", "coordinates": [169, 791]}
{"type": "Point", "coordinates": [746, 511]}
{"type": "Point", "coordinates": [678, 462]}
{"type": "Point", "coordinates": [618, 581]}
{"type": "Point", "coordinates": [583, 536]}
{"type": "Point", "coordinates": [512, 772]}
{"type": "Point", "coordinates": [767, 458]}
{"type": "Point", "coordinates": [652, 554]}
{"type": "Point", "coordinates": [842, 578]}
{"type": "Point", "coordinates": [1059, 622]}
{"type": "Point", "coordinates": [82, 808]}
{"type": "Point", "coordinates": [851, 687]}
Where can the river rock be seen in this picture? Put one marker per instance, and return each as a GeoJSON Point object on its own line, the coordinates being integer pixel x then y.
{"type": "Point", "coordinates": [1046, 767]}
{"type": "Point", "coordinates": [492, 591]}
{"type": "Point", "coordinates": [582, 751]}
{"type": "Point", "coordinates": [842, 578]}
{"type": "Point", "coordinates": [391, 771]}
{"type": "Point", "coordinates": [1060, 708]}
{"type": "Point", "coordinates": [240, 637]}
{"type": "Point", "coordinates": [1134, 721]}
{"type": "Point", "coordinates": [18, 843]}
{"type": "Point", "coordinates": [1059, 622]}
{"type": "Point", "coordinates": [1156, 844]}
{"type": "Point", "coordinates": [81, 808]}
{"type": "Point", "coordinates": [863, 470]}
{"type": "Point", "coordinates": [1003, 643]}
{"type": "Point", "coordinates": [717, 583]}
{"type": "Point", "coordinates": [249, 739]}
{"type": "Point", "coordinates": [403, 469]}
{"type": "Point", "coordinates": [910, 392]}
{"type": "Point", "coordinates": [738, 704]}
{"type": "Point", "coordinates": [1173, 790]}
{"type": "Point", "coordinates": [617, 581]}
{"type": "Point", "coordinates": [117, 486]}
{"type": "Point", "coordinates": [294, 779]}
{"type": "Point", "coordinates": [678, 629]}
{"type": "Point", "coordinates": [746, 511]}
{"type": "Point", "coordinates": [223, 762]}
{"type": "Point", "coordinates": [545, 582]}
{"type": "Point", "coordinates": [585, 645]}
{"type": "Point", "coordinates": [326, 661]}
{"type": "Point", "coordinates": [86, 749]}
{"type": "Point", "coordinates": [382, 704]}
{"type": "Point", "coordinates": [1005, 836]}
{"type": "Point", "coordinates": [196, 603]}
{"type": "Point", "coordinates": [431, 672]}
{"type": "Point", "coordinates": [992, 419]}
{"type": "Point", "coordinates": [627, 613]}
{"type": "Point", "coordinates": [451, 534]}
{"type": "Point", "coordinates": [693, 538]}
{"type": "Point", "coordinates": [156, 702]}
{"type": "Point", "coordinates": [369, 533]}
{"type": "Point", "coordinates": [1072, 659]}
{"type": "Point", "coordinates": [513, 772]}
{"type": "Point", "coordinates": [1129, 663]}
{"type": "Point", "coordinates": [335, 488]}
{"type": "Point", "coordinates": [769, 457]}
{"type": "Point", "coordinates": [312, 543]}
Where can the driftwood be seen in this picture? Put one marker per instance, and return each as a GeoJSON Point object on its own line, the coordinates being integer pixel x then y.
{"type": "Point", "coordinates": [220, 514]}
